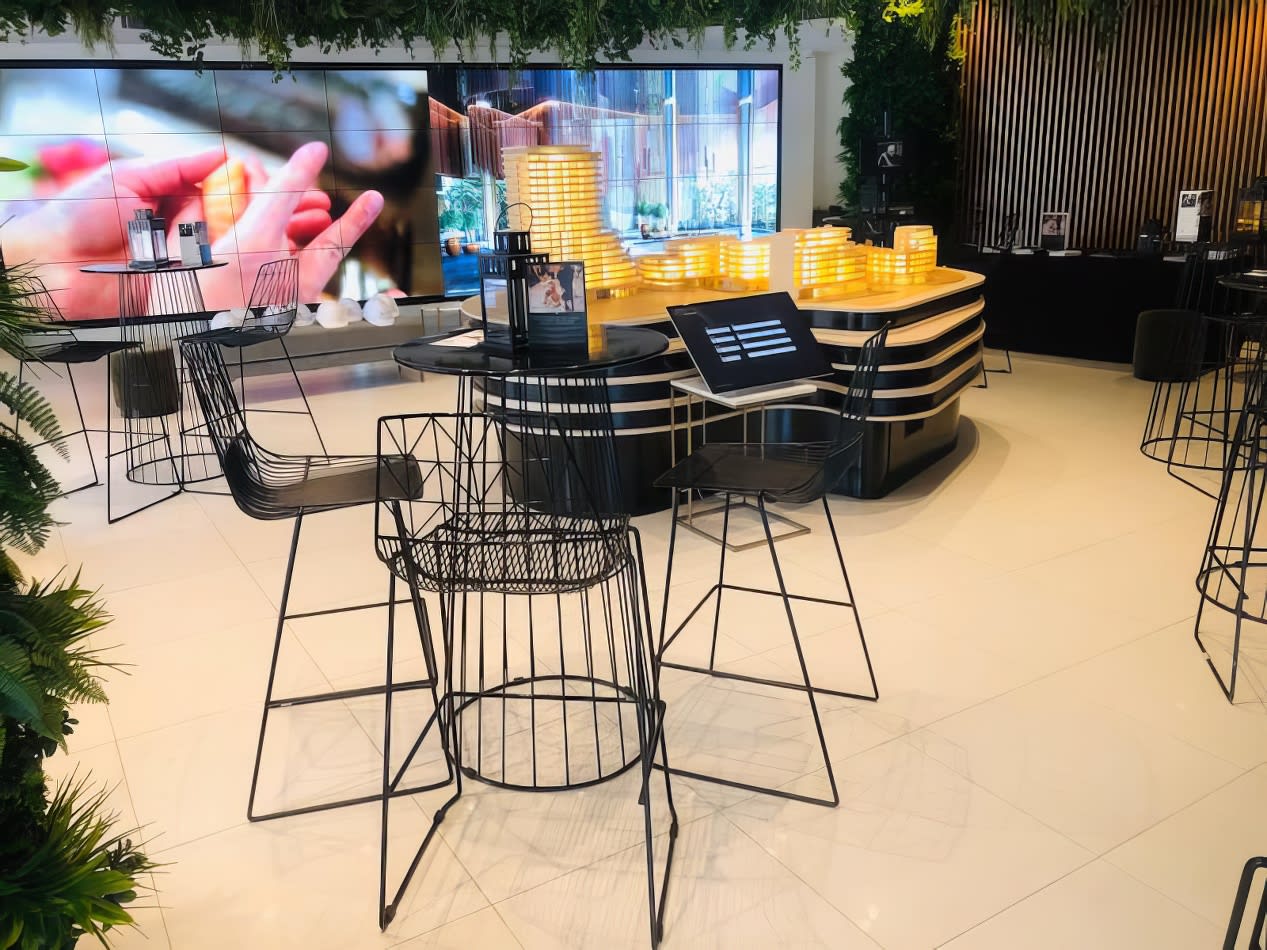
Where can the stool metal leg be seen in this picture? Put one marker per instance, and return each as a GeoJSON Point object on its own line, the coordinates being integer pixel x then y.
{"type": "Point", "coordinates": [804, 684]}
{"type": "Point", "coordinates": [389, 688]}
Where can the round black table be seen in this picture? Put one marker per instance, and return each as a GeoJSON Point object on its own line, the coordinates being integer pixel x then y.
{"type": "Point", "coordinates": [157, 307]}
{"type": "Point", "coordinates": [612, 347]}
{"type": "Point", "coordinates": [548, 667]}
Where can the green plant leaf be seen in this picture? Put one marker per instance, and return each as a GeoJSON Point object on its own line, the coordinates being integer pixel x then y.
{"type": "Point", "coordinates": [12, 165]}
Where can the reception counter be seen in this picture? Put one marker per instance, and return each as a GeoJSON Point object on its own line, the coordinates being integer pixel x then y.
{"type": "Point", "coordinates": [932, 354]}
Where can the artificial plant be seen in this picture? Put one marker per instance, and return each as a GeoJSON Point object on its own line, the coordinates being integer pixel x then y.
{"type": "Point", "coordinates": [579, 32]}
{"type": "Point", "coordinates": [895, 70]}
{"type": "Point", "coordinates": [63, 872]}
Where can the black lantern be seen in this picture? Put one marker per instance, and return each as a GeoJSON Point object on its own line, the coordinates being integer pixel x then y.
{"type": "Point", "coordinates": [504, 273]}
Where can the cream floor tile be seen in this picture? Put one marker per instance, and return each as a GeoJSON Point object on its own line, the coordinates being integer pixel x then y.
{"type": "Point", "coordinates": [511, 842]}
{"type": "Point", "coordinates": [1148, 573]}
{"type": "Point", "coordinates": [1195, 856]}
{"type": "Point", "coordinates": [724, 892]}
{"type": "Point", "coordinates": [310, 881]}
{"type": "Point", "coordinates": [1051, 753]}
{"type": "Point", "coordinates": [910, 833]}
{"type": "Point", "coordinates": [1018, 622]}
{"type": "Point", "coordinates": [182, 680]}
{"type": "Point", "coordinates": [484, 929]}
{"type": "Point", "coordinates": [1097, 907]}
{"type": "Point", "coordinates": [173, 610]}
{"type": "Point", "coordinates": [1162, 680]}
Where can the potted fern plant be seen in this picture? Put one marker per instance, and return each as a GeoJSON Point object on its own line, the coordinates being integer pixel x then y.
{"type": "Point", "coordinates": [64, 871]}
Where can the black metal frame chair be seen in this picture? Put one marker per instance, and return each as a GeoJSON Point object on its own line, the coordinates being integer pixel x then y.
{"type": "Point", "coordinates": [270, 314]}
{"type": "Point", "coordinates": [57, 344]}
{"type": "Point", "coordinates": [1236, 921]}
{"type": "Point", "coordinates": [788, 473]}
{"type": "Point", "coordinates": [516, 510]}
{"type": "Point", "coordinates": [269, 486]}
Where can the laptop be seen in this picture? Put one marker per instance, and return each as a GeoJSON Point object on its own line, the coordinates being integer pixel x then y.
{"type": "Point", "coordinates": [749, 344]}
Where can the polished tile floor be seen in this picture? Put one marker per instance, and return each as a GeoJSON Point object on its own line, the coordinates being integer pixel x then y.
{"type": "Point", "coordinates": [1050, 764]}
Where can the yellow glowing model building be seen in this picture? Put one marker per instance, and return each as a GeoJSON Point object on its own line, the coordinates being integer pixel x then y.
{"type": "Point", "coordinates": [828, 264]}
{"type": "Point", "coordinates": [690, 262]}
{"type": "Point", "coordinates": [910, 260]}
{"type": "Point", "coordinates": [562, 185]}
{"type": "Point", "coordinates": [745, 265]}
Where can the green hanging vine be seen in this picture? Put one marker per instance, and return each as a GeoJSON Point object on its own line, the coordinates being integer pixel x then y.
{"type": "Point", "coordinates": [580, 32]}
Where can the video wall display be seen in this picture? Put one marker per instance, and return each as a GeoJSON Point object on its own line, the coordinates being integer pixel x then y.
{"type": "Point", "coordinates": [376, 180]}
{"type": "Point", "coordinates": [329, 167]}
{"type": "Point", "coordinates": [684, 151]}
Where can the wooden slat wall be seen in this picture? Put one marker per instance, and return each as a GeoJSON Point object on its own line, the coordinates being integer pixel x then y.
{"type": "Point", "coordinates": [1177, 101]}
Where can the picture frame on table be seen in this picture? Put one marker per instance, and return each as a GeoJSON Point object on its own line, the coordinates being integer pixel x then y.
{"type": "Point", "coordinates": [1053, 230]}
{"type": "Point", "coordinates": [557, 311]}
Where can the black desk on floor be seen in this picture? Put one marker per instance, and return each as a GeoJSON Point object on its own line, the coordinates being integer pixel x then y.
{"type": "Point", "coordinates": [1083, 306]}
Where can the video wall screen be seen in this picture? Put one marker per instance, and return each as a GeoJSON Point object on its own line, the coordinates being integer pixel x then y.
{"type": "Point", "coordinates": [684, 151]}
{"type": "Point", "coordinates": [376, 180]}
{"type": "Point", "coordinates": [330, 167]}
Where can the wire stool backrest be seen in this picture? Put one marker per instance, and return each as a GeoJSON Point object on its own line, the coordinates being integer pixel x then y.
{"type": "Point", "coordinates": [274, 299]}
{"type": "Point", "coordinates": [252, 472]}
{"type": "Point", "coordinates": [861, 392]}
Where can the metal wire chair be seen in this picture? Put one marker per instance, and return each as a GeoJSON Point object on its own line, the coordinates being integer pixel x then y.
{"type": "Point", "coordinates": [271, 486]}
{"type": "Point", "coordinates": [787, 473]}
{"type": "Point", "coordinates": [270, 315]}
{"type": "Point", "coordinates": [57, 344]}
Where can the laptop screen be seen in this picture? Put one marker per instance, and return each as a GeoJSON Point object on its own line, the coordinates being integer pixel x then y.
{"type": "Point", "coordinates": [749, 341]}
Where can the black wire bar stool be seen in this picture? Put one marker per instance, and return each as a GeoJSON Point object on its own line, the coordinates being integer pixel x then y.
{"type": "Point", "coordinates": [1233, 575]}
{"type": "Point", "coordinates": [548, 682]}
{"type": "Point", "coordinates": [268, 486]}
{"type": "Point", "coordinates": [270, 314]}
{"type": "Point", "coordinates": [1199, 361]}
{"type": "Point", "coordinates": [780, 473]}
{"type": "Point", "coordinates": [57, 345]}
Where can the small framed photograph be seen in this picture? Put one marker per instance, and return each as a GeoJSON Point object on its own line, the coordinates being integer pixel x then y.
{"type": "Point", "coordinates": [1195, 216]}
{"type": "Point", "coordinates": [1053, 230]}
{"type": "Point", "coordinates": [557, 287]}
{"type": "Point", "coordinates": [556, 304]}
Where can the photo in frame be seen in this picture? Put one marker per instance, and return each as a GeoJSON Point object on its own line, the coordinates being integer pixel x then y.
{"type": "Point", "coordinates": [1053, 230]}
{"type": "Point", "coordinates": [557, 312]}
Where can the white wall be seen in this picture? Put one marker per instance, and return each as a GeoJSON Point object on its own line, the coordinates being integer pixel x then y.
{"type": "Point", "coordinates": [810, 108]}
{"type": "Point", "coordinates": [829, 91]}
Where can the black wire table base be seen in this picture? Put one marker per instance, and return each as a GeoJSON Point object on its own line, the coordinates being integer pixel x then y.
{"type": "Point", "coordinates": [545, 615]}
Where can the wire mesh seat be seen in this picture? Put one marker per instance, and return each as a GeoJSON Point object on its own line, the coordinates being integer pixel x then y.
{"type": "Point", "coordinates": [789, 473]}
{"type": "Point", "coordinates": [270, 314]}
{"type": "Point", "coordinates": [271, 486]}
{"type": "Point", "coordinates": [548, 682]}
{"type": "Point", "coordinates": [57, 344]}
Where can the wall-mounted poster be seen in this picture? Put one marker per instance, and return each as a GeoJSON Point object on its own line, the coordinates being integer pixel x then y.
{"type": "Point", "coordinates": [1195, 216]}
{"type": "Point", "coordinates": [1053, 230]}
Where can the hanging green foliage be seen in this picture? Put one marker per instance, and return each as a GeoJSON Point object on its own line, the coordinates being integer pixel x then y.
{"type": "Point", "coordinates": [579, 32]}
{"type": "Point", "coordinates": [895, 70]}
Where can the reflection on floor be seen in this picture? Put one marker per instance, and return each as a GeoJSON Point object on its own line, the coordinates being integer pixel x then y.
{"type": "Point", "coordinates": [1050, 764]}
